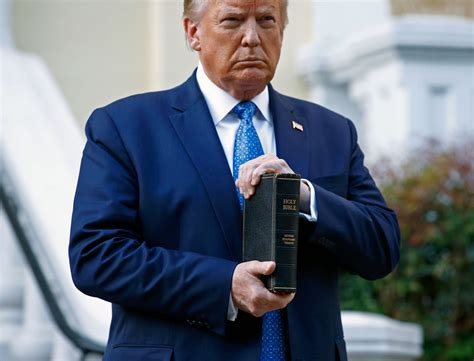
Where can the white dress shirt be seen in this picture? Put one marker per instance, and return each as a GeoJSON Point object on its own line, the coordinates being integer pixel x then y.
{"type": "Point", "coordinates": [220, 104]}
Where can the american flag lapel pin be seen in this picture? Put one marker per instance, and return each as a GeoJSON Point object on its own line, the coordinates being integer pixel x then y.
{"type": "Point", "coordinates": [297, 126]}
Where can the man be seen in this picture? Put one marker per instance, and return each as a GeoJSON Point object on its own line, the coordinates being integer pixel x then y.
{"type": "Point", "coordinates": [157, 221]}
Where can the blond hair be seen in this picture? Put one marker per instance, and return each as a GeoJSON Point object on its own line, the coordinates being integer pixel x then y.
{"type": "Point", "coordinates": [193, 9]}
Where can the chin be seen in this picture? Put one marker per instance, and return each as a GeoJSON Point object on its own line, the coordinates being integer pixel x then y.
{"type": "Point", "coordinates": [254, 77]}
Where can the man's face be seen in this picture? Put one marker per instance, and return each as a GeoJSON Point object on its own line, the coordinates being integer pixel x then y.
{"type": "Point", "coordinates": [239, 44]}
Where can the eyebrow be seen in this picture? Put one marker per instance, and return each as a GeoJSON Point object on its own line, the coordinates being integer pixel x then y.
{"type": "Point", "coordinates": [236, 10]}
{"type": "Point", "coordinates": [267, 8]}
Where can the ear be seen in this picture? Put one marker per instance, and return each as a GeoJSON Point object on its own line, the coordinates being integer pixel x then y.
{"type": "Point", "coordinates": [192, 34]}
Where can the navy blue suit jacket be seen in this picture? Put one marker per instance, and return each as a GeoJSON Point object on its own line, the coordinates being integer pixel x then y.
{"type": "Point", "coordinates": [157, 228]}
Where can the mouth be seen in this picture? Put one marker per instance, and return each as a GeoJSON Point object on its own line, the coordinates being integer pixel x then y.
{"type": "Point", "coordinates": [251, 61]}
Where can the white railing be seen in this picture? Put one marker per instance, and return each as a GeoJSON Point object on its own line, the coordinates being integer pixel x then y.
{"type": "Point", "coordinates": [41, 150]}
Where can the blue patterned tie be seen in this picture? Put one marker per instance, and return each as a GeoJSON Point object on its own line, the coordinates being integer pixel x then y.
{"type": "Point", "coordinates": [247, 146]}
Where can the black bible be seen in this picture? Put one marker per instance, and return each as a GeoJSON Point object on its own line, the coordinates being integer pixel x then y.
{"type": "Point", "coordinates": [271, 228]}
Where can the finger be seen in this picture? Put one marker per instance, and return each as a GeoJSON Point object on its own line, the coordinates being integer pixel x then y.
{"type": "Point", "coordinates": [258, 172]}
{"type": "Point", "coordinates": [272, 301]}
{"type": "Point", "coordinates": [245, 172]}
{"type": "Point", "coordinates": [247, 177]}
{"type": "Point", "coordinates": [261, 268]}
{"type": "Point", "coordinates": [282, 298]}
{"type": "Point", "coordinates": [285, 297]}
{"type": "Point", "coordinates": [273, 166]}
{"type": "Point", "coordinates": [267, 268]}
{"type": "Point", "coordinates": [251, 180]}
{"type": "Point", "coordinates": [244, 185]}
{"type": "Point", "coordinates": [249, 166]}
{"type": "Point", "coordinates": [241, 179]}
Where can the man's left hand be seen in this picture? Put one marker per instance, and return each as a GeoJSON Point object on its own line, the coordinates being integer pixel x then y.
{"type": "Point", "coordinates": [251, 172]}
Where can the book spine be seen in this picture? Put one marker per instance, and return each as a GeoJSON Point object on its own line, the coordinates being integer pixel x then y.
{"type": "Point", "coordinates": [257, 222]}
{"type": "Point", "coordinates": [285, 234]}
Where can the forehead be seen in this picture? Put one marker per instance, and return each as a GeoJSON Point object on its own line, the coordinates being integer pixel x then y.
{"type": "Point", "coordinates": [245, 5]}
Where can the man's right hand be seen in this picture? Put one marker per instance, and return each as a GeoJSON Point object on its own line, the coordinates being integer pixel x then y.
{"type": "Point", "coordinates": [249, 293]}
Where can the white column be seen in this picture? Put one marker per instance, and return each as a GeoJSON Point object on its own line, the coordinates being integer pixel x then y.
{"type": "Point", "coordinates": [381, 95]}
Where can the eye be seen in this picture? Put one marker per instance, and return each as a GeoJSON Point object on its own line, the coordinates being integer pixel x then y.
{"type": "Point", "coordinates": [230, 20]}
{"type": "Point", "coordinates": [267, 20]}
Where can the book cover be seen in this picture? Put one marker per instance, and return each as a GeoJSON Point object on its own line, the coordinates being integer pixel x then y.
{"type": "Point", "coordinates": [271, 228]}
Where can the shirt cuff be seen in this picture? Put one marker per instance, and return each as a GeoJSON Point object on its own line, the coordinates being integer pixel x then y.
{"type": "Point", "coordinates": [232, 311]}
{"type": "Point", "coordinates": [313, 216]}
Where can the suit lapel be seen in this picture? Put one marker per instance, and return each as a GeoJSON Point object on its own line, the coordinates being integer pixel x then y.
{"type": "Point", "coordinates": [292, 144]}
{"type": "Point", "coordinates": [196, 130]}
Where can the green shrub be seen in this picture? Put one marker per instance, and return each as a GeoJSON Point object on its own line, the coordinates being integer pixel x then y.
{"type": "Point", "coordinates": [433, 195]}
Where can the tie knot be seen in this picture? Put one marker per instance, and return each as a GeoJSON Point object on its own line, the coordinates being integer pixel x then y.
{"type": "Point", "coordinates": [245, 110]}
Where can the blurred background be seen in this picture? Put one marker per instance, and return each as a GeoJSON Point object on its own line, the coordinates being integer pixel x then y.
{"type": "Point", "coordinates": [402, 70]}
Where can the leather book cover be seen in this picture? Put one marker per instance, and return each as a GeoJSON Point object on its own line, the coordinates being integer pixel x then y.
{"type": "Point", "coordinates": [271, 228]}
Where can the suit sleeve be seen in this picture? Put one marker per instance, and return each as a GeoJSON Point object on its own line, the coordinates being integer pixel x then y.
{"type": "Point", "coordinates": [360, 230]}
{"type": "Point", "coordinates": [110, 259]}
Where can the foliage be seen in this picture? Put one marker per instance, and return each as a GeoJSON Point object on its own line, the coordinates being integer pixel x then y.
{"type": "Point", "coordinates": [433, 195]}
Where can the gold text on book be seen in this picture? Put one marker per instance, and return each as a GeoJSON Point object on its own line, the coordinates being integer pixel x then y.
{"type": "Point", "coordinates": [289, 204]}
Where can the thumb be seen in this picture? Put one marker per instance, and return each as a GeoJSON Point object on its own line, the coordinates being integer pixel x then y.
{"type": "Point", "coordinates": [265, 268]}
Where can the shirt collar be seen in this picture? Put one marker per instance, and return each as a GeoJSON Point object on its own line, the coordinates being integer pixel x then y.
{"type": "Point", "coordinates": [220, 103]}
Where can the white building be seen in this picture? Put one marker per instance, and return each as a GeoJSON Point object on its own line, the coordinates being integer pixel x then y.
{"type": "Point", "coordinates": [400, 69]}
{"type": "Point", "coordinates": [404, 73]}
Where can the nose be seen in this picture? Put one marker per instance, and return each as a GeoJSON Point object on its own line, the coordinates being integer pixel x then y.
{"type": "Point", "coordinates": [250, 37]}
